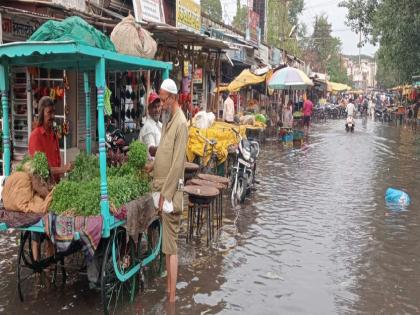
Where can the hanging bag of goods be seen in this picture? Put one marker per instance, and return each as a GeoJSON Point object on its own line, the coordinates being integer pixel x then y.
{"type": "Point", "coordinates": [130, 39]}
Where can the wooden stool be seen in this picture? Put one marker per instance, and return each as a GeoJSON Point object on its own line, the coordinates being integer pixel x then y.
{"type": "Point", "coordinates": [200, 199]}
{"type": "Point", "coordinates": [190, 170]}
{"type": "Point", "coordinates": [220, 180]}
{"type": "Point", "coordinates": [216, 202]}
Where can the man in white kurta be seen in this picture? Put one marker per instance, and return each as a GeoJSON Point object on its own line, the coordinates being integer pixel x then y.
{"type": "Point", "coordinates": [228, 109]}
{"type": "Point", "coordinates": [151, 131]}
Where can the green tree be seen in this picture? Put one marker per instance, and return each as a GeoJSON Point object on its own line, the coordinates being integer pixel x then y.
{"type": "Point", "coordinates": [279, 26]}
{"type": "Point", "coordinates": [324, 51]}
{"type": "Point", "coordinates": [213, 8]}
{"type": "Point", "coordinates": [295, 8]}
{"type": "Point", "coordinates": [394, 25]}
{"type": "Point", "coordinates": [241, 18]}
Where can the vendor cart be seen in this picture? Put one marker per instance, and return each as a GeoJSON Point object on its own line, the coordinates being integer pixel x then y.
{"type": "Point", "coordinates": [121, 262]}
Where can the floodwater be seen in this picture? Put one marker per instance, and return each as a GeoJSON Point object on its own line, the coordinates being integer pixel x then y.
{"type": "Point", "coordinates": [315, 238]}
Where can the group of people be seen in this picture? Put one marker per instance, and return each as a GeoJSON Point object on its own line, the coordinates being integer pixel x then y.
{"type": "Point", "coordinates": [165, 133]}
{"type": "Point", "coordinates": [287, 114]}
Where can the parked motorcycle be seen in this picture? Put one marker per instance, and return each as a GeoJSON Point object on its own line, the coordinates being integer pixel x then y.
{"type": "Point", "coordinates": [244, 168]}
{"type": "Point", "coordinates": [350, 124]}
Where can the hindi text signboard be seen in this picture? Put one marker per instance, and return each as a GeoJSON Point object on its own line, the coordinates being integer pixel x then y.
{"type": "Point", "coordinates": [188, 15]}
{"type": "Point", "coordinates": [148, 10]}
{"type": "Point", "coordinates": [17, 28]}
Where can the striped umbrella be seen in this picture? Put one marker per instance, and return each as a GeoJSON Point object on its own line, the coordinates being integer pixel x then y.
{"type": "Point", "coordinates": [289, 78]}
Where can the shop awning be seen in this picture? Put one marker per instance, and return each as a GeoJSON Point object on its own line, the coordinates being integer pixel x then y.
{"type": "Point", "coordinates": [72, 55]}
{"type": "Point", "coordinates": [401, 87]}
{"type": "Point", "coordinates": [337, 87]}
{"type": "Point", "coordinates": [244, 79]}
{"type": "Point", "coordinates": [355, 92]}
{"type": "Point", "coordinates": [221, 89]}
{"type": "Point", "coordinates": [173, 37]}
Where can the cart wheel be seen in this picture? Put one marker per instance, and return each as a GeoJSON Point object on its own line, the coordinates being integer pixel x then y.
{"type": "Point", "coordinates": [24, 266]}
{"type": "Point", "coordinates": [155, 245]}
{"type": "Point", "coordinates": [60, 275]}
{"type": "Point", "coordinates": [114, 292]}
{"type": "Point", "coordinates": [27, 275]}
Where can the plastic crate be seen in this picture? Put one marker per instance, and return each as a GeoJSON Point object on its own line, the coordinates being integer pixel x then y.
{"type": "Point", "coordinates": [288, 137]}
{"type": "Point", "coordinates": [298, 134]}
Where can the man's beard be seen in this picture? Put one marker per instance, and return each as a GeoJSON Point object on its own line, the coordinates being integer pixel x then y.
{"type": "Point", "coordinates": [166, 116]}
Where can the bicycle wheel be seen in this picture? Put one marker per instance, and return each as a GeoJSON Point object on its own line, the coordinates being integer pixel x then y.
{"type": "Point", "coordinates": [32, 279]}
{"type": "Point", "coordinates": [149, 244]}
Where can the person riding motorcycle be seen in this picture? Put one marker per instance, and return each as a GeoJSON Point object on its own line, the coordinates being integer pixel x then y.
{"type": "Point", "coordinates": [350, 108]}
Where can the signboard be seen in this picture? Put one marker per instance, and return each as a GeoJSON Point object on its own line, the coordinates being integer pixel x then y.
{"type": "Point", "coordinates": [275, 56]}
{"type": "Point", "coordinates": [253, 26]}
{"type": "Point", "coordinates": [17, 28]}
{"type": "Point", "coordinates": [238, 54]}
{"type": "Point", "coordinates": [148, 10]}
{"type": "Point", "coordinates": [198, 76]}
{"type": "Point", "coordinates": [263, 52]}
{"type": "Point", "coordinates": [188, 15]}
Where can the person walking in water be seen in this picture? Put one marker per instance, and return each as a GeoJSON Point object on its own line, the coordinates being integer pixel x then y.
{"type": "Point", "coordinates": [288, 115]}
{"type": "Point", "coordinates": [168, 177]}
{"type": "Point", "coordinates": [308, 107]}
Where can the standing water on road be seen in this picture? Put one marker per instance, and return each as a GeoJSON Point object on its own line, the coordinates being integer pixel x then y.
{"type": "Point", "coordinates": [315, 238]}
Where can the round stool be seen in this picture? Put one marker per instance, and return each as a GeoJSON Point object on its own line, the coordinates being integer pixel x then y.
{"type": "Point", "coordinates": [200, 199]}
{"type": "Point", "coordinates": [221, 180]}
{"type": "Point", "coordinates": [216, 204]}
{"type": "Point", "coordinates": [190, 170]}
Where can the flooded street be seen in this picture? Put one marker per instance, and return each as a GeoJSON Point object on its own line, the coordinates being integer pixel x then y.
{"type": "Point", "coordinates": [315, 238]}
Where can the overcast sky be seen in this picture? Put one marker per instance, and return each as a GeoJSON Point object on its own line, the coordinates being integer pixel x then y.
{"type": "Point", "coordinates": [336, 16]}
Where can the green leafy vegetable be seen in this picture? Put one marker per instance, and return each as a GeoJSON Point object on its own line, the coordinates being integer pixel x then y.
{"type": "Point", "coordinates": [20, 166]}
{"type": "Point", "coordinates": [137, 155]}
{"type": "Point", "coordinates": [85, 167]}
{"type": "Point", "coordinates": [40, 165]}
{"type": "Point", "coordinates": [84, 197]}
{"type": "Point", "coordinates": [80, 192]}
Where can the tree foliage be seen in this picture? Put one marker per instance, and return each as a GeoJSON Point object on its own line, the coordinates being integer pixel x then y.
{"type": "Point", "coordinates": [395, 26]}
{"type": "Point", "coordinates": [323, 51]}
{"type": "Point", "coordinates": [241, 18]}
{"type": "Point", "coordinates": [295, 8]}
{"type": "Point", "coordinates": [280, 21]}
{"type": "Point", "coordinates": [213, 8]}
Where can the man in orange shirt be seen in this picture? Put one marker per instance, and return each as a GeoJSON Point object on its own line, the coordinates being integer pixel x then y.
{"type": "Point", "coordinates": [43, 139]}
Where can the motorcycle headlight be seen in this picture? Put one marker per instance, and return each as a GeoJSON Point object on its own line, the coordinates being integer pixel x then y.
{"type": "Point", "coordinates": [246, 154]}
